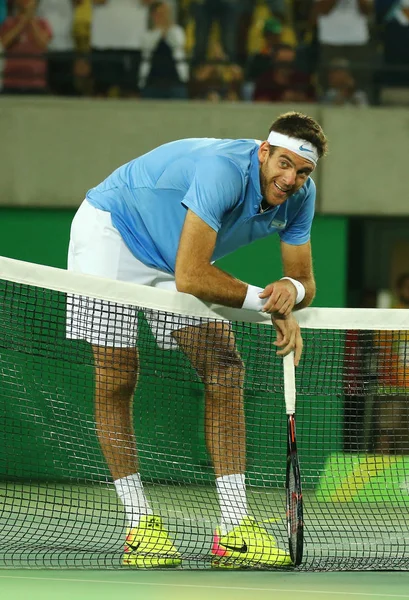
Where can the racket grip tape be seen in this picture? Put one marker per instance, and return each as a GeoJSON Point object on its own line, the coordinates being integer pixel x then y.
{"type": "Point", "coordinates": [289, 383]}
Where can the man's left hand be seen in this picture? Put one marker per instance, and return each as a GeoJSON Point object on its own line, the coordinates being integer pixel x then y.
{"type": "Point", "coordinates": [288, 336]}
{"type": "Point", "coordinates": [281, 297]}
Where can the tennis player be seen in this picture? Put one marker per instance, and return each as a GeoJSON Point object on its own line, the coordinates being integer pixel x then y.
{"type": "Point", "coordinates": [162, 220]}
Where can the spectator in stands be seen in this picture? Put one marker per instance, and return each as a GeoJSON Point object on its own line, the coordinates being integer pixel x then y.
{"type": "Point", "coordinates": [3, 15]}
{"type": "Point", "coordinates": [25, 39]}
{"type": "Point", "coordinates": [402, 291]}
{"type": "Point", "coordinates": [218, 79]}
{"type": "Point", "coordinates": [283, 82]}
{"type": "Point", "coordinates": [256, 20]}
{"type": "Point", "coordinates": [262, 61]}
{"type": "Point", "coordinates": [343, 32]}
{"type": "Point", "coordinates": [3, 10]}
{"type": "Point", "coordinates": [392, 412]}
{"type": "Point", "coordinates": [82, 25]}
{"type": "Point", "coordinates": [277, 7]}
{"type": "Point", "coordinates": [81, 82]}
{"type": "Point", "coordinates": [116, 34]}
{"type": "Point", "coordinates": [301, 10]}
{"type": "Point", "coordinates": [342, 88]}
{"type": "Point", "coordinates": [226, 13]}
{"type": "Point", "coordinates": [164, 71]}
{"type": "Point", "coordinates": [59, 14]}
{"type": "Point", "coordinates": [396, 43]}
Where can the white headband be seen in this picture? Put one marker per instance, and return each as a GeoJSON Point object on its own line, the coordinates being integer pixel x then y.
{"type": "Point", "coordinates": [300, 147]}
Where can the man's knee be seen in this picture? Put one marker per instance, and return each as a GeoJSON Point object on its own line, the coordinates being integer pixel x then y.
{"type": "Point", "coordinates": [116, 372]}
{"type": "Point", "coordinates": [226, 370]}
{"type": "Point", "coordinates": [116, 382]}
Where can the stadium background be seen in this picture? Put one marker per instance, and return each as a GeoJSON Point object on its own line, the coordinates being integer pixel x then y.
{"type": "Point", "coordinates": [53, 149]}
{"type": "Point", "coordinates": [58, 148]}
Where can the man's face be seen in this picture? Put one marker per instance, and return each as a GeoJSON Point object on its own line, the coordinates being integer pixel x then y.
{"type": "Point", "coordinates": [282, 174]}
{"type": "Point", "coordinates": [403, 293]}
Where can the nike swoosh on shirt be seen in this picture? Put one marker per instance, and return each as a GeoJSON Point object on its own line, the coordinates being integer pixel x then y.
{"type": "Point", "coordinates": [305, 149]}
{"type": "Point", "coordinates": [242, 548]}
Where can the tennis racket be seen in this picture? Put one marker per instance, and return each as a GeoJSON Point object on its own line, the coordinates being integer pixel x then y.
{"type": "Point", "coordinates": [295, 522]}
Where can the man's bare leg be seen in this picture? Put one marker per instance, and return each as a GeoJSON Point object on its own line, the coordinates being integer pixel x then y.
{"type": "Point", "coordinates": [116, 376]}
{"type": "Point", "coordinates": [212, 351]}
{"type": "Point", "coordinates": [240, 540]}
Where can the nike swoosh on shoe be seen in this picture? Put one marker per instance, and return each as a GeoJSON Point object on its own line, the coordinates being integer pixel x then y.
{"type": "Point", "coordinates": [241, 549]}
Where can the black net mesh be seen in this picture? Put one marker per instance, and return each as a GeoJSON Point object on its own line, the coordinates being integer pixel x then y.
{"type": "Point", "coordinates": [68, 367]}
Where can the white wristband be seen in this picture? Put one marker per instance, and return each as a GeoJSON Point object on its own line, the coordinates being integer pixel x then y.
{"type": "Point", "coordinates": [252, 301]}
{"type": "Point", "coordinates": [299, 287]}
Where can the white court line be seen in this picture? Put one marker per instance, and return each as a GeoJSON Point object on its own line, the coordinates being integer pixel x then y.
{"type": "Point", "coordinates": [211, 587]}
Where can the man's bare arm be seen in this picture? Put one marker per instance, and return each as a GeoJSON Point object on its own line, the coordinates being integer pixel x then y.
{"type": "Point", "coordinates": [281, 295]}
{"type": "Point", "coordinates": [297, 264]}
{"type": "Point", "coordinates": [194, 273]}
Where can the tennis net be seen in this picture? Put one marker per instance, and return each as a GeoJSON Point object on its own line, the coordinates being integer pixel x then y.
{"type": "Point", "coordinates": [64, 334]}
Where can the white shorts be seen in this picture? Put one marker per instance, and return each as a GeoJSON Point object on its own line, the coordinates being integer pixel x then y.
{"type": "Point", "coordinates": [97, 248]}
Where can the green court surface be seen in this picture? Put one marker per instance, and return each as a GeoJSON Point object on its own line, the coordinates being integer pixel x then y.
{"type": "Point", "coordinates": [82, 527]}
{"type": "Point", "coordinates": [177, 585]}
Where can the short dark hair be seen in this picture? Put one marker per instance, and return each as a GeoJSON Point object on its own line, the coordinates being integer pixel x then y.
{"type": "Point", "coordinates": [401, 280]}
{"type": "Point", "coordinates": [303, 127]}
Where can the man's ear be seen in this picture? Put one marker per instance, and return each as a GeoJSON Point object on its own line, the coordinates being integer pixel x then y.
{"type": "Point", "coordinates": [263, 151]}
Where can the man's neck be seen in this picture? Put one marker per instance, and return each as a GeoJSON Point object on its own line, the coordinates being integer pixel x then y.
{"type": "Point", "coordinates": [264, 205]}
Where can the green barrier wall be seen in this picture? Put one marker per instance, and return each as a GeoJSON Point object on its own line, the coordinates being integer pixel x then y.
{"type": "Point", "coordinates": [46, 402]}
{"type": "Point", "coordinates": [41, 236]}
{"type": "Point", "coordinates": [31, 413]}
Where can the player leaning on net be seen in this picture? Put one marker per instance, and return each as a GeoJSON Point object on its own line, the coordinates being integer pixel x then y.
{"type": "Point", "coordinates": [161, 220]}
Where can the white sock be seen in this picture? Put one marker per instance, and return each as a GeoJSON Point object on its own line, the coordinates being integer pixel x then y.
{"type": "Point", "coordinates": [233, 501]}
{"type": "Point", "coordinates": [130, 491]}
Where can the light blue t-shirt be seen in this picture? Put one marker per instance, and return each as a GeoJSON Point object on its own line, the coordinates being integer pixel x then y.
{"type": "Point", "coordinates": [217, 179]}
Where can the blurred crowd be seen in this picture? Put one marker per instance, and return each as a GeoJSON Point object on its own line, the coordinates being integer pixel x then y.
{"type": "Point", "coordinates": [337, 52]}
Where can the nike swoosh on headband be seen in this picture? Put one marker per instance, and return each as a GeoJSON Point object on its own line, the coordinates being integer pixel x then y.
{"type": "Point", "coordinates": [299, 146]}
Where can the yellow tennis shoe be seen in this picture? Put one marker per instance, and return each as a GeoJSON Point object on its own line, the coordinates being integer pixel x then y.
{"type": "Point", "coordinates": [247, 545]}
{"type": "Point", "coordinates": [149, 545]}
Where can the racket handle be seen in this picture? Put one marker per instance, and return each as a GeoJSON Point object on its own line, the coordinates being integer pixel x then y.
{"type": "Point", "coordinates": [289, 383]}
